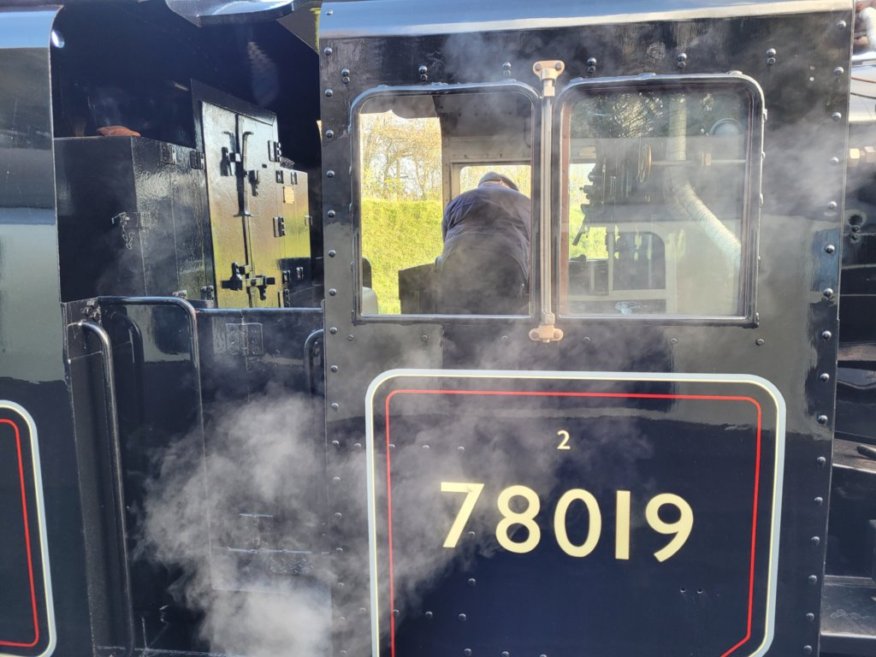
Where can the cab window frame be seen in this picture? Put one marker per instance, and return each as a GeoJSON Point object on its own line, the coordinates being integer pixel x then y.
{"type": "Point", "coordinates": [512, 86]}
{"type": "Point", "coordinates": [751, 199]}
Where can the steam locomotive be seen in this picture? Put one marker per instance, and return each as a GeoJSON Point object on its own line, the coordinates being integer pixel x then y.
{"type": "Point", "coordinates": [236, 418]}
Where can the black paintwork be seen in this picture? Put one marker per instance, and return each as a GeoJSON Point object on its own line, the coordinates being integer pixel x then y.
{"type": "Point", "coordinates": [796, 225]}
{"type": "Point", "coordinates": [177, 367]}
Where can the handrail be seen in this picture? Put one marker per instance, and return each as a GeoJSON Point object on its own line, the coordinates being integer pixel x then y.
{"type": "Point", "coordinates": [116, 464]}
{"type": "Point", "coordinates": [308, 360]}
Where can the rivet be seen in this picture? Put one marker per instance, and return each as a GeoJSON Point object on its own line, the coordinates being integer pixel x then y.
{"type": "Point", "coordinates": [681, 60]}
{"type": "Point", "coordinates": [771, 56]}
{"type": "Point", "coordinates": [824, 377]}
{"type": "Point", "coordinates": [395, 612]}
{"type": "Point", "coordinates": [587, 339]}
{"type": "Point", "coordinates": [818, 501]}
{"type": "Point", "coordinates": [471, 534]}
{"type": "Point", "coordinates": [336, 480]}
{"type": "Point", "coordinates": [339, 550]}
{"type": "Point", "coordinates": [812, 579]}
{"type": "Point", "coordinates": [537, 67]}
{"type": "Point", "coordinates": [810, 616]}
{"type": "Point", "coordinates": [842, 25]}
{"type": "Point", "coordinates": [836, 116]}
{"type": "Point", "coordinates": [327, 52]}
{"type": "Point", "coordinates": [424, 73]}
{"type": "Point", "coordinates": [345, 72]}
{"type": "Point", "coordinates": [330, 173]}
{"type": "Point", "coordinates": [392, 445]}
{"type": "Point", "coordinates": [334, 369]}
{"type": "Point", "coordinates": [828, 293]}
{"type": "Point", "coordinates": [472, 581]}
{"type": "Point", "coordinates": [460, 449]}
{"type": "Point", "coordinates": [760, 342]}
{"type": "Point", "coordinates": [838, 71]}
{"type": "Point", "coordinates": [340, 585]}
{"type": "Point", "coordinates": [822, 419]}
{"type": "Point", "coordinates": [332, 292]}
{"type": "Point", "coordinates": [821, 461]}
{"type": "Point", "coordinates": [591, 64]}
{"type": "Point", "coordinates": [335, 406]}
{"type": "Point", "coordinates": [332, 253]}
{"type": "Point", "coordinates": [329, 93]}
{"type": "Point", "coordinates": [826, 335]}
{"type": "Point", "coordinates": [330, 12]}
{"type": "Point", "coordinates": [329, 134]}
{"type": "Point", "coordinates": [331, 214]}
{"type": "Point", "coordinates": [673, 340]}
{"type": "Point", "coordinates": [807, 650]}
{"type": "Point", "coordinates": [830, 248]}
{"type": "Point", "coordinates": [343, 653]}
{"type": "Point", "coordinates": [832, 205]}
{"type": "Point", "coordinates": [429, 615]}
{"type": "Point", "coordinates": [815, 540]}
{"type": "Point", "coordinates": [425, 447]}
{"type": "Point", "coordinates": [467, 652]}
{"type": "Point", "coordinates": [462, 617]}
{"type": "Point", "coordinates": [362, 610]}
{"type": "Point", "coordinates": [350, 337]}
{"type": "Point", "coordinates": [357, 445]}
{"type": "Point", "coordinates": [338, 515]}
{"type": "Point", "coordinates": [424, 338]}
{"type": "Point", "coordinates": [505, 653]}
{"type": "Point", "coordinates": [834, 160]}
{"type": "Point", "coordinates": [558, 66]}
{"type": "Point", "coordinates": [333, 330]}
{"type": "Point", "coordinates": [336, 443]}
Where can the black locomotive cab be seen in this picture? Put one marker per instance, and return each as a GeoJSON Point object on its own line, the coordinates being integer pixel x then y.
{"type": "Point", "coordinates": [395, 328]}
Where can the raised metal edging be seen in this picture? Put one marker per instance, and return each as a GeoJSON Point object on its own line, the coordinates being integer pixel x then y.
{"type": "Point", "coordinates": [112, 421]}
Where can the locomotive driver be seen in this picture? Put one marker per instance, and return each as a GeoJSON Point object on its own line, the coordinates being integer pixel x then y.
{"type": "Point", "coordinates": [484, 267]}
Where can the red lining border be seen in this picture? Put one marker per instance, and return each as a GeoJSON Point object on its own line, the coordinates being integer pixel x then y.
{"type": "Point", "coordinates": [27, 541]}
{"type": "Point", "coordinates": [610, 395]}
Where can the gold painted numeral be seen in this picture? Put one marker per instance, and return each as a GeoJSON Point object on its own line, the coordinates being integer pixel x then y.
{"type": "Point", "coordinates": [525, 518]}
{"type": "Point", "coordinates": [472, 493]}
{"type": "Point", "coordinates": [564, 443]}
{"type": "Point", "coordinates": [681, 527]}
{"type": "Point", "coordinates": [594, 528]}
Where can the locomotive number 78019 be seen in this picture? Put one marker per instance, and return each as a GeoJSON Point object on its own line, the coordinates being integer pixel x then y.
{"type": "Point", "coordinates": [679, 529]}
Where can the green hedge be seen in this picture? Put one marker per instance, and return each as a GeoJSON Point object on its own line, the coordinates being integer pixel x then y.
{"type": "Point", "coordinates": [397, 235]}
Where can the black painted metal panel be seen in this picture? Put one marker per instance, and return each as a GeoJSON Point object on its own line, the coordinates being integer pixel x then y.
{"type": "Point", "coordinates": [32, 366]}
{"type": "Point", "coordinates": [791, 344]}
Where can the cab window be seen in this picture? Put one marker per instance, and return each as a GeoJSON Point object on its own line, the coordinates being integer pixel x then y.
{"type": "Point", "coordinates": [657, 200]}
{"type": "Point", "coordinates": [444, 202]}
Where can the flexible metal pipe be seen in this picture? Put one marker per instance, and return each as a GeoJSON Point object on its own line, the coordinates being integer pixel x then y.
{"type": "Point", "coordinates": [678, 190]}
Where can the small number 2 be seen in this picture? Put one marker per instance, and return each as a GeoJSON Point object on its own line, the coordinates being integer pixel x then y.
{"type": "Point", "coordinates": [564, 443]}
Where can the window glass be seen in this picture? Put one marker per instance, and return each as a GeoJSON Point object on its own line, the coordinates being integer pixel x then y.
{"type": "Point", "coordinates": [655, 201]}
{"type": "Point", "coordinates": [470, 175]}
{"type": "Point", "coordinates": [423, 253]}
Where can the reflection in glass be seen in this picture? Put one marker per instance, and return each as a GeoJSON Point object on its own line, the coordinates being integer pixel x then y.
{"type": "Point", "coordinates": [654, 202]}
